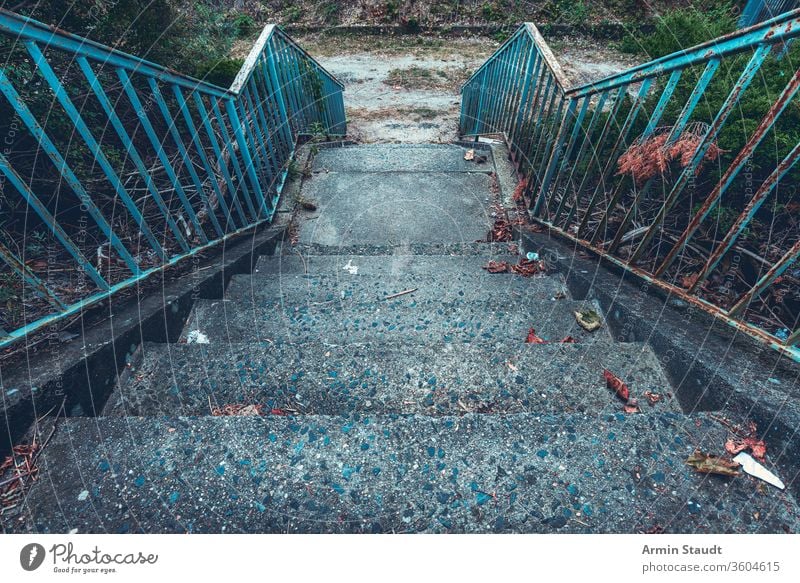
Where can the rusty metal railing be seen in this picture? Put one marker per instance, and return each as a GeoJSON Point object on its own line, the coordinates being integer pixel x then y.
{"type": "Point", "coordinates": [665, 169]}
{"type": "Point", "coordinates": [114, 168]}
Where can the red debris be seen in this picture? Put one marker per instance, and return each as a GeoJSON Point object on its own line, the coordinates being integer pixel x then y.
{"type": "Point", "coordinates": [569, 340]}
{"type": "Point", "coordinates": [653, 398]}
{"type": "Point", "coordinates": [527, 268]}
{"type": "Point", "coordinates": [651, 157]}
{"type": "Point", "coordinates": [496, 266]}
{"type": "Point", "coordinates": [501, 232]}
{"type": "Point", "coordinates": [632, 406]}
{"type": "Point", "coordinates": [615, 384]}
{"type": "Point", "coordinates": [533, 338]}
{"type": "Point", "coordinates": [519, 190]}
{"type": "Point", "coordinates": [757, 447]}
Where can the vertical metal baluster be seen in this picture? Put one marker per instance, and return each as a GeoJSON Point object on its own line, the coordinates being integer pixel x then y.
{"type": "Point", "coordinates": [150, 131]}
{"type": "Point", "coordinates": [198, 144]}
{"type": "Point", "coordinates": [187, 161]}
{"type": "Point", "coordinates": [215, 146]}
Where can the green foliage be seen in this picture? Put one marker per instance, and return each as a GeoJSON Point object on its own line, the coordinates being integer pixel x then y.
{"type": "Point", "coordinates": [329, 11]}
{"type": "Point", "coordinates": [569, 11]}
{"type": "Point", "coordinates": [392, 10]}
{"type": "Point", "coordinates": [682, 28]}
{"type": "Point", "coordinates": [293, 14]}
{"type": "Point", "coordinates": [501, 36]}
{"type": "Point", "coordinates": [244, 25]}
{"type": "Point", "coordinates": [221, 72]}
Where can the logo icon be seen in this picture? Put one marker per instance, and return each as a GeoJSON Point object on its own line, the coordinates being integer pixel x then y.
{"type": "Point", "coordinates": [31, 556]}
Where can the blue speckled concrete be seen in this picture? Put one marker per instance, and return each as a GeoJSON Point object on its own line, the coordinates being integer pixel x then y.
{"type": "Point", "coordinates": [388, 377]}
{"type": "Point", "coordinates": [426, 413]}
{"type": "Point", "coordinates": [345, 320]}
{"type": "Point", "coordinates": [477, 473]}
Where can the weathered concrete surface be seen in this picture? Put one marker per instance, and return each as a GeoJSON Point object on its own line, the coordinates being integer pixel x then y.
{"type": "Point", "coordinates": [389, 377]}
{"type": "Point", "coordinates": [342, 321]}
{"type": "Point", "coordinates": [477, 473]}
{"type": "Point", "coordinates": [377, 159]}
{"type": "Point", "coordinates": [318, 279]}
{"type": "Point", "coordinates": [400, 208]}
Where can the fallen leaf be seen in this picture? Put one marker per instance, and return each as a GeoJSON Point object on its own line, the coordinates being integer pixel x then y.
{"type": "Point", "coordinates": [469, 155]}
{"type": "Point", "coordinates": [653, 398]}
{"type": "Point", "coordinates": [711, 464]}
{"type": "Point", "coordinates": [588, 319]}
{"type": "Point", "coordinates": [569, 340]}
{"type": "Point", "coordinates": [527, 268]}
{"type": "Point", "coordinates": [512, 366]}
{"type": "Point", "coordinates": [533, 338]}
{"type": "Point", "coordinates": [496, 266]}
{"type": "Point", "coordinates": [757, 447]}
{"type": "Point", "coordinates": [632, 406]}
{"type": "Point", "coordinates": [615, 384]}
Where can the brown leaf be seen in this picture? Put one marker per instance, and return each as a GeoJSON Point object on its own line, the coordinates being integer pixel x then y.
{"type": "Point", "coordinates": [496, 266]}
{"type": "Point", "coordinates": [711, 464]}
{"type": "Point", "coordinates": [588, 319]}
{"type": "Point", "coordinates": [653, 398]}
{"type": "Point", "coordinates": [632, 406]}
{"type": "Point", "coordinates": [615, 384]}
{"type": "Point", "coordinates": [527, 268]}
{"type": "Point", "coordinates": [757, 447]}
{"type": "Point", "coordinates": [533, 338]}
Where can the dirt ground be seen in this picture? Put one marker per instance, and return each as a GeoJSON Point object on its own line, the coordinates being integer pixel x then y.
{"type": "Point", "coordinates": [407, 89]}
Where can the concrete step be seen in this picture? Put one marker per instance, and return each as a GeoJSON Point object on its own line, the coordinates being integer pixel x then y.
{"type": "Point", "coordinates": [397, 208]}
{"type": "Point", "coordinates": [366, 279]}
{"type": "Point", "coordinates": [387, 377]}
{"type": "Point", "coordinates": [380, 158]}
{"type": "Point", "coordinates": [478, 247]}
{"type": "Point", "coordinates": [487, 321]}
{"type": "Point", "coordinates": [477, 473]}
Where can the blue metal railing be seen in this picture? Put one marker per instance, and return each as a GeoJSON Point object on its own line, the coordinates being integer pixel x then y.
{"type": "Point", "coordinates": [756, 11]}
{"type": "Point", "coordinates": [123, 167]}
{"type": "Point", "coordinates": [621, 165]}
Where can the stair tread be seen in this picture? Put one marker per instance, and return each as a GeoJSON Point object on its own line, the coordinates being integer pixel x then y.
{"type": "Point", "coordinates": [397, 207]}
{"type": "Point", "coordinates": [377, 158]}
{"type": "Point", "coordinates": [373, 278]}
{"type": "Point", "coordinates": [339, 321]}
{"type": "Point", "coordinates": [476, 473]}
{"type": "Point", "coordinates": [388, 377]}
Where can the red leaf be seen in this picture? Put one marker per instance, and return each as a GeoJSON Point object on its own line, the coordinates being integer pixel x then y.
{"type": "Point", "coordinates": [631, 407]}
{"type": "Point", "coordinates": [496, 266]}
{"type": "Point", "coordinates": [756, 446]}
{"type": "Point", "coordinates": [527, 268]}
{"type": "Point", "coordinates": [533, 338]}
{"type": "Point", "coordinates": [615, 384]}
{"type": "Point", "coordinates": [569, 340]}
{"type": "Point", "coordinates": [282, 412]}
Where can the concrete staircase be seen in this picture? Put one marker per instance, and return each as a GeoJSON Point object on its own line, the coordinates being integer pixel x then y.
{"type": "Point", "coordinates": [425, 412]}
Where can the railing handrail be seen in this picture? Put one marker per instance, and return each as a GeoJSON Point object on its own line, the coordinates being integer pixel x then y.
{"type": "Point", "coordinates": [536, 36]}
{"type": "Point", "coordinates": [251, 61]}
{"type": "Point", "coordinates": [51, 36]}
{"type": "Point", "coordinates": [231, 151]}
{"type": "Point", "coordinates": [568, 143]}
{"type": "Point", "coordinates": [770, 31]}
{"type": "Point", "coordinates": [23, 27]}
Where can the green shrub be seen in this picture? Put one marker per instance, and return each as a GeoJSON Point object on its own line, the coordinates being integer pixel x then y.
{"type": "Point", "coordinates": [244, 25]}
{"type": "Point", "coordinates": [329, 11]}
{"type": "Point", "coordinates": [220, 72]}
{"type": "Point", "coordinates": [682, 28]}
